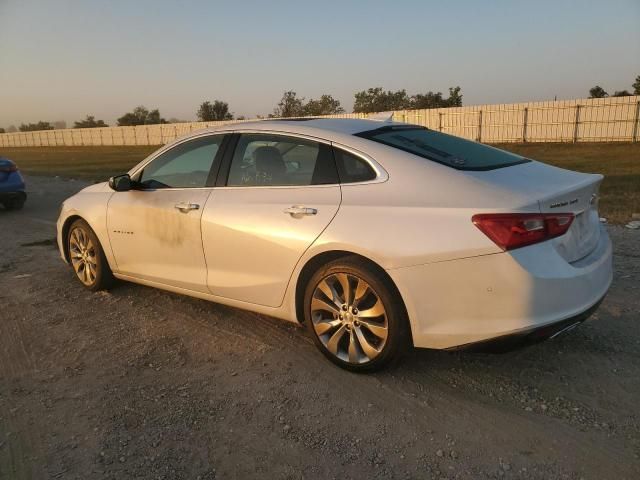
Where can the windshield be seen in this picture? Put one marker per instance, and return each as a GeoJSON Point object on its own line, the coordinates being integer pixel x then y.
{"type": "Point", "coordinates": [439, 147]}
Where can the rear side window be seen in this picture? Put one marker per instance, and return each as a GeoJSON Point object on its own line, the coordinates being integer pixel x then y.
{"type": "Point", "coordinates": [353, 169]}
{"type": "Point", "coordinates": [446, 149]}
{"type": "Point", "coordinates": [279, 160]}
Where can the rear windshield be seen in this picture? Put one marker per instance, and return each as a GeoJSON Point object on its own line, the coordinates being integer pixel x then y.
{"type": "Point", "coordinates": [439, 147]}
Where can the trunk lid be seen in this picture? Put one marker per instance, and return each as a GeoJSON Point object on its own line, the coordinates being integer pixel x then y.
{"type": "Point", "coordinates": [555, 190]}
{"type": "Point", "coordinates": [581, 200]}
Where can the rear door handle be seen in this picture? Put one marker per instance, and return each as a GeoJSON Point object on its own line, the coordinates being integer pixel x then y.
{"type": "Point", "coordinates": [298, 211]}
{"type": "Point", "coordinates": [185, 207]}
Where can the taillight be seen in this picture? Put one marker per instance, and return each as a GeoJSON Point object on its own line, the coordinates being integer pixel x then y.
{"type": "Point", "coordinates": [515, 230]}
{"type": "Point", "coordinates": [8, 168]}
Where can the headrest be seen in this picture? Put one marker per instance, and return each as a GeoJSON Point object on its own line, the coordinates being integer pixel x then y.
{"type": "Point", "coordinates": [269, 160]}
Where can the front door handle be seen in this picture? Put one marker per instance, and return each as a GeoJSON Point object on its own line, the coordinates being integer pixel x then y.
{"type": "Point", "coordinates": [185, 207]}
{"type": "Point", "coordinates": [299, 211]}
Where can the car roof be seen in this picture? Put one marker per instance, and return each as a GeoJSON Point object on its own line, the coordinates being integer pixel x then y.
{"type": "Point", "coordinates": [310, 125]}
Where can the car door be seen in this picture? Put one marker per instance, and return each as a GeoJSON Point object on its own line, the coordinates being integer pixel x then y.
{"type": "Point", "coordinates": [155, 229]}
{"type": "Point", "coordinates": [281, 192]}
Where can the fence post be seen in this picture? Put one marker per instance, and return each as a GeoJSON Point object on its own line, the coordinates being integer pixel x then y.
{"type": "Point", "coordinates": [634, 137]}
{"type": "Point", "coordinates": [575, 126]}
{"type": "Point", "coordinates": [524, 124]}
{"type": "Point", "coordinates": [439, 121]}
{"type": "Point", "coordinates": [479, 125]}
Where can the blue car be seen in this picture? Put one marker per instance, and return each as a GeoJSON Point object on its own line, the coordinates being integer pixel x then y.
{"type": "Point", "coordinates": [12, 187]}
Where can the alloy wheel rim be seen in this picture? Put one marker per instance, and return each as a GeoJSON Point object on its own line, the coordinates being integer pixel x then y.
{"type": "Point", "coordinates": [82, 252]}
{"type": "Point", "coordinates": [349, 318]}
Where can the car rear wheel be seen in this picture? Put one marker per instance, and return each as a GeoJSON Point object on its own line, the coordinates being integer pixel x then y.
{"type": "Point", "coordinates": [87, 257]}
{"type": "Point", "coordinates": [355, 315]}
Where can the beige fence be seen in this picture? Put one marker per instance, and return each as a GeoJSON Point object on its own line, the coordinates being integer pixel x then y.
{"type": "Point", "coordinates": [583, 120]}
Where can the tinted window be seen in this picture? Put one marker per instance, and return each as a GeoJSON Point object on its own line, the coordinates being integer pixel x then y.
{"type": "Point", "coordinates": [272, 160]}
{"type": "Point", "coordinates": [353, 168]}
{"type": "Point", "coordinates": [184, 166]}
{"type": "Point", "coordinates": [439, 147]}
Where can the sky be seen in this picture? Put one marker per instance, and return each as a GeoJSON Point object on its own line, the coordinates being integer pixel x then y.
{"type": "Point", "coordinates": [65, 59]}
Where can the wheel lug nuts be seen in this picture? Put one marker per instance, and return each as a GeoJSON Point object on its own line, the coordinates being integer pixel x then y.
{"type": "Point", "coordinates": [344, 307]}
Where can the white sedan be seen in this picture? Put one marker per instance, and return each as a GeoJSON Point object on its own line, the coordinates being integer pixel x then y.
{"type": "Point", "coordinates": [376, 236]}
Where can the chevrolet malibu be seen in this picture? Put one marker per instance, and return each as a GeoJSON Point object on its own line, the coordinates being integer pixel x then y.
{"type": "Point", "coordinates": [374, 235]}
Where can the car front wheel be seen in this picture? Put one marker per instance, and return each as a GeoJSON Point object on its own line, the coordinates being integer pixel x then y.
{"type": "Point", "coordinates": [87, 257]}
{"type": "Point", "coordinates": [355, 315]}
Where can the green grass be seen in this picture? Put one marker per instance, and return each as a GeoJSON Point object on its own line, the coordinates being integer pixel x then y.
{"type": "Point", "coordinates": [618, 162]}
{"type": "Point", "coordinates": [95, 164]}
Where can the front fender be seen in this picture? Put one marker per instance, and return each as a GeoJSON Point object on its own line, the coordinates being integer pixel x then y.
{"type": "Point", "coordinates": [89, 204]}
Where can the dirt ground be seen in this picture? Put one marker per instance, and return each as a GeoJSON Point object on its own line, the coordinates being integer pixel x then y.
{"type": "Point", "coordinates": [139, 383]}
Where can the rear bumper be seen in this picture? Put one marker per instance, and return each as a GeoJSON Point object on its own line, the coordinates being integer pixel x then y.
{"type": "Point", "coordinates": [507, 343]}
{"type": "Point", "coordinates": [12, 195]}
{"type": "Point", "coordinates": [518, 293]}
{"type": "Point", "coordinates": [12, 184]}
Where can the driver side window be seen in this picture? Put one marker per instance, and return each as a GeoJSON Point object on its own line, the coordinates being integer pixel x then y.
{"type": "Point", "coordinates": [184, 166]}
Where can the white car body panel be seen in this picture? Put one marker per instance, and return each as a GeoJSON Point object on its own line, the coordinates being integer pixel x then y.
{"type": "Point", "coordinates": [153, 240]}
{"type": "Point", "coordinates": [90, 204]}
{"type": "Point", "coordinates": [252, 245]}
{"type": "Point", "coordinates": [503, 294]}
{"type": "Point", "coordinates": [413, 220]}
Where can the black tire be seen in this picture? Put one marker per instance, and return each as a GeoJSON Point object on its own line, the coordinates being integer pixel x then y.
{"type": "Point", "coordinates": [15, 203]}
{"type": "Point", "coordinates": [99, 274]}
{"type": "Point", "coordinates": [395, 317]}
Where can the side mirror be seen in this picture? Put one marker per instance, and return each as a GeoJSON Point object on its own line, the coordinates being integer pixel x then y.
{"type": "Point", "coordinates": [121, 183]}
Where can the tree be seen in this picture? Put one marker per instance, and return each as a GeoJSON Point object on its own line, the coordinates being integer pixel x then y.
{"type": "Point", "coordinates": [455, 97]}
{"type": "Point", "coordinates": [377, 100]}
{"type": "Point", "coordinates": [12, 129]}
{"type": "Point", "coordinates": [32, 127]}
{"type": "Point", "coordinates": [210, 112]}
{"type": "Point", "coordinates": [597, 92]}
{"type": "Point", "coordinates": [621, 93]}
{"type": "Point", "coordinates": [428, 100]}
{"type": "Point", "coordinates": [2, 130]}
{"type": "Point", "coordinates": [89, 122]}
{"type": "Point", "coordinates": [289, 106]}
{"type": "Point", "coordinates": [59, 125]}
{"type": "Point", "coordinates": [141, 116]}
{"type": "Point", "coordinates": [326, 105]}
{"type": "Point", "coordinates": [636, 86]}
{"type": "Point", "coordinates": [153, 118]}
